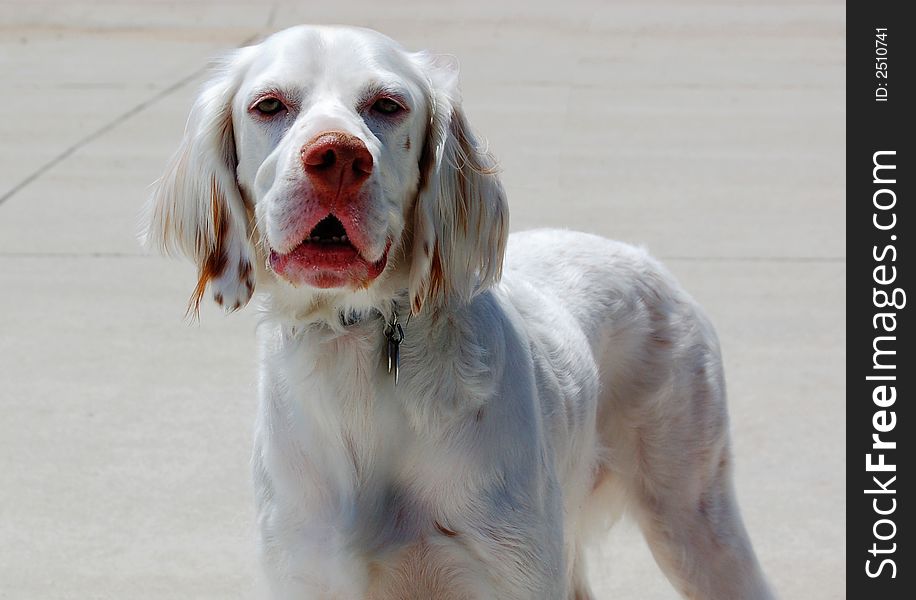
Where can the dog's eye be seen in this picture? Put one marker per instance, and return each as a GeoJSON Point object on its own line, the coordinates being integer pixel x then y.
{"type": "Point", "coordinates": [387, 106]}
{"type": "Point", "coordinates": [269, 106]}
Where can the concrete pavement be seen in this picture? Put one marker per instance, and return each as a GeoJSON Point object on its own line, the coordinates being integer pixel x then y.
{"type": "Point", "coordinates": [713, 133]}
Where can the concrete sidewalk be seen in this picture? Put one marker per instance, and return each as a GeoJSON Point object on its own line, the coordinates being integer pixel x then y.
{"type": "Point", "coordinates": [712, 133]}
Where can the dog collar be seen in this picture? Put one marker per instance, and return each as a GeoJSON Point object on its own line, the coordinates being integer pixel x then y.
{"type": "Point", "coordinates": [393, 331]}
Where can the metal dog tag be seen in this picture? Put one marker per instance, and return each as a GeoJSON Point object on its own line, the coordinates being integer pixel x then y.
{"type": "Point", "coordinates": [395, 335]}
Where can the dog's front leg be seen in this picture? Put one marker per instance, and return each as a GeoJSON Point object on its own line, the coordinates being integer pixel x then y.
{"type": "Point", "coordinates": [304, 548]}
{"type": "Point", "coordinates": [311, 566]}
{"type": "Point", "coordinates": [304, 559]}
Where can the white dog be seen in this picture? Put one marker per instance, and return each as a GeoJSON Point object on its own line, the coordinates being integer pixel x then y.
{"type": "Point", "coordinates": [443, 415]}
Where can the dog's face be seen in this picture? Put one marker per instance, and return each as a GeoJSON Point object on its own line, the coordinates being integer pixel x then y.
{"type": "Point", "coordinates": [341, 163]}
{"type": "Point", "coordinates": [329, 140]}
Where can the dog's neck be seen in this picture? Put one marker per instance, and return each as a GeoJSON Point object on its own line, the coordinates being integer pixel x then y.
{"type": "Point", "coordinates": [393, 331]}
{"type": "Point", "coordinates": [384, 320]}
{"type": "Point", "coordinates": [341, 365]}
{"type": "Point", "coordinates": [336, 311]}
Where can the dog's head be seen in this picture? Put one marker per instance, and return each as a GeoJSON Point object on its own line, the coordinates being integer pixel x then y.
{"type": "Point", "coordinates": [332, 167]}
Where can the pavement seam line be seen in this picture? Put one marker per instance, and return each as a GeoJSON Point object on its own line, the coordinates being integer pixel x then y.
{"type": "Point", "coordinates": [107, 127]}
{"type": "Point", "coordinates": [35, 175]}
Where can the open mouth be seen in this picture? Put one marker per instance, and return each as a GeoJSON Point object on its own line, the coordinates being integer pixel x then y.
{"type": "Point", "coordinates": [326, 258]}
{"type": "Point", "coordinates": [329, 231]}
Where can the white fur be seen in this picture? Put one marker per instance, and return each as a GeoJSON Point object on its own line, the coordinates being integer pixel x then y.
{"type": "Point", "coordinates": [525, 402]}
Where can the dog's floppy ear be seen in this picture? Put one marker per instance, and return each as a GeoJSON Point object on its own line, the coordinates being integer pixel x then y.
{"type": "Point", "coordinates": [461, 216]}
{"type": "Point", "coordinates": [196, 207]}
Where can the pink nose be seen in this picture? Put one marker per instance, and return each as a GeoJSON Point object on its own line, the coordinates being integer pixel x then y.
{"type": "Point", "coordinates": [336, 163]}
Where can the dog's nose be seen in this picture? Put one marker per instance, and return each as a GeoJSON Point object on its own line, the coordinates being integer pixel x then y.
{"type": "Point", "coordinates": [336, 163]}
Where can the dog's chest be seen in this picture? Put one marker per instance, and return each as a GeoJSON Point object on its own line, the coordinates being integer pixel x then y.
{"type": "Point", "coordinates": [408, 484]}
{"type": "Point", "coordinates": [412, 535]}
{"type": "Point", "coordinates": [383, 468]}
{"type": "Point", "coordinates": [340, 410]}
